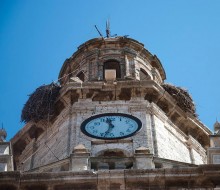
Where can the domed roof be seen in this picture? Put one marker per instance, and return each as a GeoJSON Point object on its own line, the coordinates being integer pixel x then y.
{"type": "Point", "coordinates": [99, 46]}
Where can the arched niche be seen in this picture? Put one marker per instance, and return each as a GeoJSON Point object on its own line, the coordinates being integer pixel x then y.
{"type": "Point", "coordinates": [113, 153]}
{"type": "Point", "coordinates": [112, 65]}
{"type": "Point", "coordinates": [144, 75]}
{"type": "Point", "coordinates": [112, 159]}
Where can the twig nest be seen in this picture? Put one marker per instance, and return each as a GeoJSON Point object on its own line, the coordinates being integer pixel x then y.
{"type": "Point", "coordinates": [41, 103]}
{"type": "Point", "coordinates": [183, 98]}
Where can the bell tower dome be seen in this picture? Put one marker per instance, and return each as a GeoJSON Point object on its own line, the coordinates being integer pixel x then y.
{"type": "Point", "coordinates": [125, 56]}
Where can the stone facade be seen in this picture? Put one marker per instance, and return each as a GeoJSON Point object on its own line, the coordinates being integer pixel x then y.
{"type": "Point", "coordinates": [163, 154]}
{"type": "Point", "coordinates": [58, 141]}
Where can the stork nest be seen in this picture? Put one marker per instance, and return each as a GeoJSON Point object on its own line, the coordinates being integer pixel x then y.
{"type": "Point", "coordinates": [41, 103]}
{"type": "Point", "coordinates": [183, 98]}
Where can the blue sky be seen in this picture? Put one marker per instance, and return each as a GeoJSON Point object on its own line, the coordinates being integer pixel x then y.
{"type": "Point", "coordinates": [36, 36]}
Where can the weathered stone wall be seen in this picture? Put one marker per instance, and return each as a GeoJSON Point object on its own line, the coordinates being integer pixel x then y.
{"type": "Point", "coordinates": [159, 135]}
{"type": "Point", "coordinates": [199, 159]}
{"type": "Point", "coordinates": [50, 147]}
{"type": "Point", "coordinates": [171, 144]}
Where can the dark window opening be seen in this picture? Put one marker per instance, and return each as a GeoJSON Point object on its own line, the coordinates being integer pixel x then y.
{"type": "Point", "coordinates": [81, 76]}
{"type": "Point", "coordinates": [112, 65]}
{"type": "Point", "coordinates": [158, 165]}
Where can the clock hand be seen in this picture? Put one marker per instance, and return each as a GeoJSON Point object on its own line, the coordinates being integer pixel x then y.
{"type": "Point", "coordinates": [108, 131]}
{"type": "Point", "coordinates": [110, 126]}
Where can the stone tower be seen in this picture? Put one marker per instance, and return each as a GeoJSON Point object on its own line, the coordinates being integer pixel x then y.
{"type": "Point", "coordinates": [111, 122]}
{"type": "Point", "coordinates": [114, 105]}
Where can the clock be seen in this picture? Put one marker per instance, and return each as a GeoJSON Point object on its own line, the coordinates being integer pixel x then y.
{"type": "Point", "coordinates": [111, 126]}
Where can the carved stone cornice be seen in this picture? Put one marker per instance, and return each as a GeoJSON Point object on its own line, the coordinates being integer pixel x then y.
{"type": "Point", "coordinates": [191, 177]}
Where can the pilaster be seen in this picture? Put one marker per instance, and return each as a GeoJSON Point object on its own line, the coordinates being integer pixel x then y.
{"type": "Point", "coordinates": [79, 160]}
{"type": "Point", "coordinates": [143, 159]}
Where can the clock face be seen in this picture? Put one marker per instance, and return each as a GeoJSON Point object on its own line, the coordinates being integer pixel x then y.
{"type": "Point", "coordinates": [111, 126]}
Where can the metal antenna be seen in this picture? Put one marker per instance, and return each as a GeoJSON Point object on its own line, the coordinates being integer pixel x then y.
{"type": "Point", "coordinates": [108, 34]}
{"type": "Point", "coordinates": [98, 31]}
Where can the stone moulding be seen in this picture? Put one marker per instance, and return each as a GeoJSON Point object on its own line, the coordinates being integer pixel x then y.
{"type": "Point", "coordinates": [193, 177]}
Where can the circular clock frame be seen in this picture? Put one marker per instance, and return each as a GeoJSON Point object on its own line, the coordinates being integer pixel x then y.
{"type": "Point", "coordinates": [110, 115]}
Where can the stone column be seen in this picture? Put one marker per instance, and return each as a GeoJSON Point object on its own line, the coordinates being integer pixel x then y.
{"type": "Point", "coordinates": [100, 71]}
{"type": "Point", "coordinates": [79, 159]}
{"type": "Point", "coordinates": [143, 159]}
{"type": "Point", "coordinates": [190, 148]}
{"type": "Point", "coordinates": [154, 73]}
{"type": "Point", "coordinates": [127, 66]}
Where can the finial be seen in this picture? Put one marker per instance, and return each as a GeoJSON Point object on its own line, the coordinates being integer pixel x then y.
{"type": "Point", "coordinates": [217, 127]}
{"type": "Point", "coordinates": [3, 134]}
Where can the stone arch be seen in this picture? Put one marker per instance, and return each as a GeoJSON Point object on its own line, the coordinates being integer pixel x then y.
{"type": "Point", "coordinates": [113, 152]}
{"type": "Point", "coordinates": [144, 75]}
{"type": "Point", "coordinates": [145, 70]}
{"type": "Point", "coordinates": [112, 159]}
